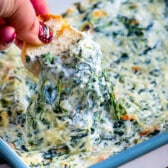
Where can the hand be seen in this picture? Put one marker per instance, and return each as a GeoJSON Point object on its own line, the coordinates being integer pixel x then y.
{"type": "Point", "coordinates": [18, 21]}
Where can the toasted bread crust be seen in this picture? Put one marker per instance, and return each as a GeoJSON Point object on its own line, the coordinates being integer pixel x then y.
{"type": "Point", "coordinates": [63, 37]}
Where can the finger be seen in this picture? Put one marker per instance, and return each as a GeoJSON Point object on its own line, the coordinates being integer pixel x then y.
{"type": "Point", "coordinates": [21, 15]}
{"type": "Point", "coordinates": [8, 35]}
{"type": "Point", "coordinates": [40, 7]}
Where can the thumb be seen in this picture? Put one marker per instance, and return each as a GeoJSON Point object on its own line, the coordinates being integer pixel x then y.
{"type": "Point", "coordinates": [21, 15]}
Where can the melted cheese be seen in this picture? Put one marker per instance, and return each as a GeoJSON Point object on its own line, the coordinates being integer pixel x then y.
{"type": "Point", "coordinates": [72, 88]}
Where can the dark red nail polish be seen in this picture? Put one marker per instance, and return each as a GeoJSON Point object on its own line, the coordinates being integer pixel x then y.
{"type": "Point", "coordinates": [11, 39]}
{"type": "Point", "coordinates": [45, 33]}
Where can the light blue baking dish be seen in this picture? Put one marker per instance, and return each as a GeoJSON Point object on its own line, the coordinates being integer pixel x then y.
{"type": "Point", "coordinates": [6, 153]}
{"type": "Point", "coordinates": [134, 152]}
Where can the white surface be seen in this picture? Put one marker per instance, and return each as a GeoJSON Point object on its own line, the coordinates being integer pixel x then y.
{"type": "Point", "coordinates": [58, 6]}
{"type": "Point", "coordinates": [155, 159]}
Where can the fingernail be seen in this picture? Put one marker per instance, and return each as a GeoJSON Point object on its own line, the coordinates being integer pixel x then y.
{"type": "Point", "coordinates": [45, 33]}
{"type": "Point", "coordinates": [10, 39]}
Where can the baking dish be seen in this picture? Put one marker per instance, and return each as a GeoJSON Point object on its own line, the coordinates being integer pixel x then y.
{"type": "Point", "coordinates": [112, 162]}
{"type": "Point", "coordinates": [8, 155]}
{"type": "Point", "coordinates": [134, 152]}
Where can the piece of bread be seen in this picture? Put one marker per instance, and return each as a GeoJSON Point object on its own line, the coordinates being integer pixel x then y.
{"type": "Point", "coordinates": [63, 37]}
